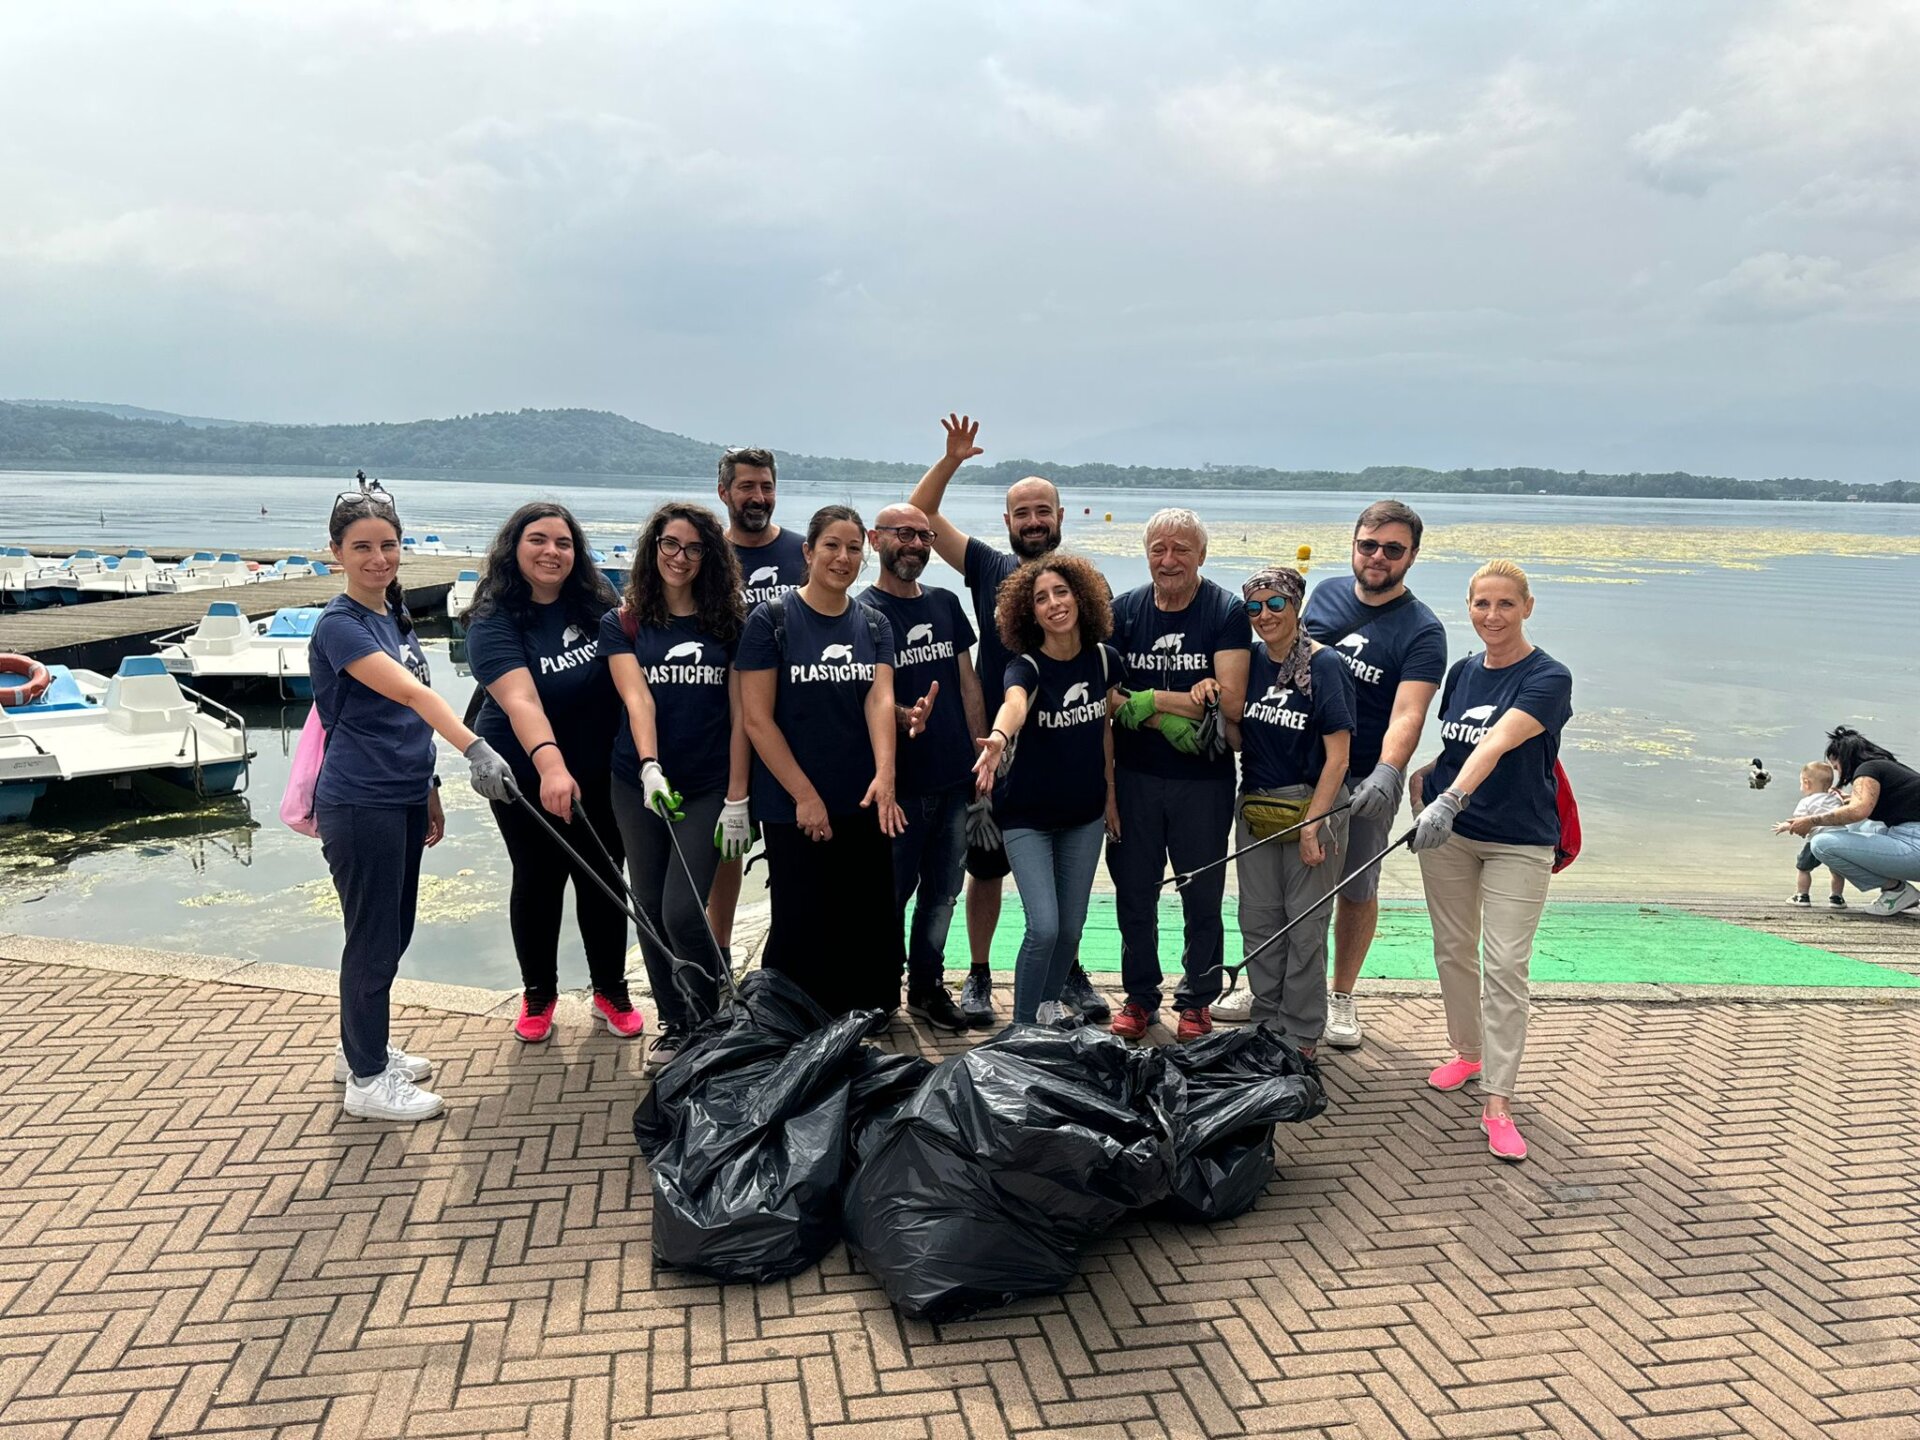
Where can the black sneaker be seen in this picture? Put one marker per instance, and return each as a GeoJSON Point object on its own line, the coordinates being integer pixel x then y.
{"type": "Point", "coordinates": [936, 1007]}
{"type": "Point", "coordinates": [1838, 902]}
{"type": "Point", "coordinates": [1080, 994]}
{"type": "Point", "coordinates": [881, 1023]}
{"type": "Point", "coordinates": [1805, 900]}
{"type": "Point", "coordinates": [976, 1000]}
{"type": "Point", "coordinates": [666, 1044]}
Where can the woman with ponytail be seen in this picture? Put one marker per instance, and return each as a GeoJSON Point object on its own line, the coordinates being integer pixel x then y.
{"type": "Point", "coordinates": [376, 801]}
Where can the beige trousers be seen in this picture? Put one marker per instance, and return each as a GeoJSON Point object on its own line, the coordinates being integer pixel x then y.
{"type": "Point", "coordinates": [1485, 901]}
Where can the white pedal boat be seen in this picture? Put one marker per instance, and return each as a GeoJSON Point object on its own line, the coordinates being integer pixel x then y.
{"type": "Point", "coordinates": [28, 581]}
{"type": "Point", "coordinates": [140, 723]}
{"type": "Point", "coordinates": [204, 570]}
{"type": "Point", "coordinates": [228, 651]}
{"type": "Point", "coordinates": [460, 594]}
{"type": "Point", "coordinates": [128, 574]}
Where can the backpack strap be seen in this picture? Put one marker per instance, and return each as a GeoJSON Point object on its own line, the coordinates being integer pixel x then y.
{"type": "Point", "coordinates": [878, 626]}
{"type": "Point", "coordinates": [777, 613]}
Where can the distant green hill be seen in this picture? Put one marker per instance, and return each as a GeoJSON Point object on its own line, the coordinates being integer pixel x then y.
{"type": "Point", "coordinates": [131, 412]}
{"type": "Point", "coordinates": [598, 443]}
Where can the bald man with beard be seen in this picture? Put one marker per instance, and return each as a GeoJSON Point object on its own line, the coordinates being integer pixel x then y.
{"type": "Point", "coordinates": [1033, 518]}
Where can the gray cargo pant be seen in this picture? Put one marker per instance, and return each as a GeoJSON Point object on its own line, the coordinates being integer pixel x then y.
{"type": "Point", "coordinates": [1289, 981]}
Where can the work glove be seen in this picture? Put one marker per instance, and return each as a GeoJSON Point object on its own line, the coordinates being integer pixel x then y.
{"type": "Point", "coordinates": [491, 776]}
{"type": "Point", "coordinates": [660, 797]}
{"type": "Point", "coordinates": [1137, 710]}
{"type": "Point", "coordinates": [1181, 733]}
{"type": "Point", "coordinates": [1435, 824]}
{"type": "Point", "coordinates": [733, 836]}
{"type": "Point", "coordinates": [983, 832]}
{"type": "Point", "coordinates": [1212, 732]}
{"type": "Point", "coordinates": [1377, 796]}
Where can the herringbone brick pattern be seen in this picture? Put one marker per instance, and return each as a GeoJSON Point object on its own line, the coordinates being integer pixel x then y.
{"type": "Point", "coordinates": [1717, 1236]}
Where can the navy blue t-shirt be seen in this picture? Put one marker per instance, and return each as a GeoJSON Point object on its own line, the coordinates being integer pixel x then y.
{"type": "Point", "coordinates": [1283, 733]}
{"type": "Point", "coordinates": [563, 658]}
{"type": "Point", "coordinates": [984, 570]}
{"type": "Point", "coordinates": [1174, 650]}
{"type": "Point", "coordinates": [771, 569]}
{"type": "Point", "coordinates": [1058, 778]}
{"type": "Point", "coordinates": [1409, 644]}
{"type": "Point", "coordinates": [686, 670]}
{"type": "Point", "coordinates": [930, 634]}
{"type": "Point", "coordinates": [379, 752]}
{"type": "Point", "coordinates": [1518, 803]}
{"type": "Point", "coordinates": [819, 700]}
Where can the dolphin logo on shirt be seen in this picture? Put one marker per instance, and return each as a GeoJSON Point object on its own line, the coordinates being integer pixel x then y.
{"type": "Point", "coordinates": [688, 650]}
{"type": "Point", "coordinates": [769, 573]}
{"type": "Point", "coordinates": [1170, 643]}
{"type": "Point", "coordinates": [1355, 643]}
{"type": "Point", "coordinates": [919, 633]}
{"type": "Point", "coordinates": [571, 634]}
{"type": "Point", "coordinates": [1479, 712]}
{"type": "Point", "coordinates": [836, 652]}
{"type": "Point", "coordinates": [1076, 695]}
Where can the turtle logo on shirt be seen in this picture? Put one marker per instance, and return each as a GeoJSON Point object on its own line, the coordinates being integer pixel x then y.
{"type": "Point", "coordinates": [836, 652]}
{"type": "Point", "coordinates": [770, 574]}
{"type": "Point", "coordinates": [1356, 643]}
{"type": "Point", "coordinates": [1079, 706]}
{"type": "Point", "coordinates": [1478, 712]}
{"type": "Point", "coordinates": [1472, 726]}
{"type": "Point", "coordinates": [688, 650]}
{"type": "Point", "coordinates": [570, 636]}
{"type": "Point", "coordinates": [1366, 674]}
{"type": "Point", "coordinates": [1076, 694]}
{"type": "Point", "coordinates": [919, 633]}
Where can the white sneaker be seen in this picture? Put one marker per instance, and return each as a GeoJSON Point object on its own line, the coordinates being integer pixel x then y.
{"type": "Point", "coordinates": [414, 1067]}
{"type": "Point", "coordinates": [1343, 1030]}
{"type": "Point", "coordinates": [1236, 1008]}
{"type": "Point", "coordinates": [391, 1096]}
{"type": "Point", "coordinates": [1053, 1012]}
{"type": "Point", "coordinates": [1893, 902]}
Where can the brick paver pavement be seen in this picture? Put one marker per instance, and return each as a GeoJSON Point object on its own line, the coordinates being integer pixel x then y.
{"type": "Point", "coordinates": [1717, 1236]}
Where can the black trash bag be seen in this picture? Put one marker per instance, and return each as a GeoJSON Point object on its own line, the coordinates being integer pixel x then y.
{"type": "Point", "coordinates": [748, 1187]}
{"type": "Point", "coordinates": [882, 1082]}
{"type": "Point", "coordinates": [987, 1185]}
{"type": "Point", "coordinates": [1240, 1083]}
{"type": "Point", "coordinates": [770, 1017]}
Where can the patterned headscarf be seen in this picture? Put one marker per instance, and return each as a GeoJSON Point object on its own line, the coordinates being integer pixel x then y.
{"type": "Point", "coordinates": [1296, 666]}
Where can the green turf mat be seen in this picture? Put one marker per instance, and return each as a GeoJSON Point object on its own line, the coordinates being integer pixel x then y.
{"type": "Point", "coordinates": [1580, 943]}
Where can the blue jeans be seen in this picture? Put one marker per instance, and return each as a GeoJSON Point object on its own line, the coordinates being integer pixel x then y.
{"type": "Point", "coordinates": [930, 857]}
{"type": "Point", "coordinates": [1871, 862]}
{"type": "Point", "coordinates": [1053, 870]}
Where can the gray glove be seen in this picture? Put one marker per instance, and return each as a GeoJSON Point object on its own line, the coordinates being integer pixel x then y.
{"type": "Point", "coordinates": [1212, 733]}
{"type": "Point", "coordinates": [983, 832]}
{"type": "Point", "coordinates": [1435, 824]}
{"type": "Point", "coordinates": [491, 775]}
{"type": "Point", "coordinates": [1377, 796]}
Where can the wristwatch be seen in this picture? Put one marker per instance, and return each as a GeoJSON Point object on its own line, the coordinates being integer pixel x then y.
{"type": "Point", "coordinates": [1461, 800]}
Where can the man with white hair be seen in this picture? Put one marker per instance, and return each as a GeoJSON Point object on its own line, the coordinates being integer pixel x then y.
{"type": "Point", "coordinates": [1174, 802]}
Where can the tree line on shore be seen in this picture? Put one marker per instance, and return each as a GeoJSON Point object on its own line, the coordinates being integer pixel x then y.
{"type": "Point", "coordinates": [599, 445]}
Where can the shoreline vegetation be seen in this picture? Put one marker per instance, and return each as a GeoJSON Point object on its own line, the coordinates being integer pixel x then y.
{"type": "Point", "coordinates": [597, 447]}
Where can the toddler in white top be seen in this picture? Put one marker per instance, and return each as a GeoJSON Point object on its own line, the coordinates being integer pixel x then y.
{"type": "Point", "coordinates": [1817, 796]}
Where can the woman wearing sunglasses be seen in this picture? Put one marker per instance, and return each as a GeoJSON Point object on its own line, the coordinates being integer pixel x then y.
{"type": "Point", "coordinates": [670, 647]}
{"type": "Point", "coordinates": [550, 710]}
{"type": "Point", "coordinates": [1293, 737]}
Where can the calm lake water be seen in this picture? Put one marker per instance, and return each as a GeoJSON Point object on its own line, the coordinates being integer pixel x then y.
{"type": "Point", "coordinates": [1700, 635]}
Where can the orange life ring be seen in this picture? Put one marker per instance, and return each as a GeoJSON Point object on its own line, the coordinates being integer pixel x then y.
{"type": "Point", "coordinates": [35, 685]}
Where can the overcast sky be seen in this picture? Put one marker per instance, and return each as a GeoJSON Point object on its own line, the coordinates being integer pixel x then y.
{"type": "Point", "coordinates": [1600, 235]}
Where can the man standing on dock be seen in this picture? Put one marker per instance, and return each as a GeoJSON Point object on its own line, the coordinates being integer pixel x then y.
{"type": "Point", "coordinates": [1396, 649]}
{"type": "Point", "coordinates": [1033, 517]}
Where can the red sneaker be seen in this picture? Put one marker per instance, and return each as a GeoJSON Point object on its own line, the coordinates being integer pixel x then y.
{"type": "Point", "coordinates": [1194, 1024]}
{"type": "Point", "coordinates": [1131, 1023]}
{"type": "Point", "coordinates": [622, 1020]}
{"type": "Point", "coordinates": [536, 1021]}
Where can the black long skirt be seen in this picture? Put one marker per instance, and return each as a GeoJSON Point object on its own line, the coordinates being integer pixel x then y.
{"type": "Point", "coordinates": [835, 930]}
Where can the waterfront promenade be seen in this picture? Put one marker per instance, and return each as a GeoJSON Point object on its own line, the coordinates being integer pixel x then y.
{"type": "Point", "coordinates": [1717, 1235]}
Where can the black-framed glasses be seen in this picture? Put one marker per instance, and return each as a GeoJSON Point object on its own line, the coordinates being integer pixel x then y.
{"type": "Point", "coordinates": [905, 533]}
{"type": "Point", "coordinates": [1392, 549]}
{"type": "Point", "coordinates": [692, 549]}
{"type": "Point", "coordinates": [370, 496]}
{"type": "Point", "coordinates": [1276, 603]}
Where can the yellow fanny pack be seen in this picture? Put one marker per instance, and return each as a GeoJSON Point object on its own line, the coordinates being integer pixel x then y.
{"type": "Point", "coordinates": [1267, 816]}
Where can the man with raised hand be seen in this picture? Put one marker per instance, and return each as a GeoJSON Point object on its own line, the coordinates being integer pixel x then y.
{"type": "Point", "coordinates": [1396, 650]}
{"type": "Point", "coordinates": [1033, 518]}
{"type": "Point", "coordinates": [1173, 792]}
{"type": "Point", "coordinates": [771, 563]}
{"type": "Point", "coordinates": [937, 701]}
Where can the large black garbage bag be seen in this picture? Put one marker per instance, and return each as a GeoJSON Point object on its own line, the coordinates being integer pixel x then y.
{"type": "Point", "coordinates": [985, 1187]}
{"type": "Point", "coordinates": [1240, 1083]}
{"type": "Point", "coordinates": [882, 1082]}
{"type": "Point", "coordinates": [748, 1187]}
{"type": "Point", "coordinates": [770, 1017]}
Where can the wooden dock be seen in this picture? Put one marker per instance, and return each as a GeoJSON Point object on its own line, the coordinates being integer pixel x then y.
{"type": "Point", "coordinates": [95, 635]}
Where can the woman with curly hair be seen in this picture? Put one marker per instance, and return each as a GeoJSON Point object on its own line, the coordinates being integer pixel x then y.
{"type": "Point", "coordinates": [1053, 792]}
{"type": "Point", "coordinates": [670, 648]}
{"type": "Point", "coordinates": [551, 711]}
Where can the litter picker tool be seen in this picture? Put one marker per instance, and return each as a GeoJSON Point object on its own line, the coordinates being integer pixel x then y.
{"type": "Point", "coordinates": [1187, 877]}
{"type": "Point", "coordinates": [1233, 971]}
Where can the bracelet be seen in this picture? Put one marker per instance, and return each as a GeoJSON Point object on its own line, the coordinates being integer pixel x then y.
{"type": "Point", "coordinates": [1005, 739]}
{"type": "Point", "coordinates": [649, 759]}
{"type": "Point", "coordinates": [541, 746]}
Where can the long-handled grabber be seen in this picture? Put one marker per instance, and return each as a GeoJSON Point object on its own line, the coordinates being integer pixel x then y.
{"type": "Point", "coordinates": [1186, 877]}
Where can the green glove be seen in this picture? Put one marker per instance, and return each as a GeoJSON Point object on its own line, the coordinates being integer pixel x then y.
{"type": "Point", "coordinates": [1181, 733]}
{"type": "Point", "coordinates": [1137, 710]}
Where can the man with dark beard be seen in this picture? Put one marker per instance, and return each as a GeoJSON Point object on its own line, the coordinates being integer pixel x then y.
{"type": "Point", "coordinates": [937, 699]}
{"type": "Point", "coordinates": [1396, 650]}
{"type": "Point", "coordinates": [1033, 517]}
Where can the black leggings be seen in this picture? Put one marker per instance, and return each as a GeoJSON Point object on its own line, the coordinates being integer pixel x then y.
{"type": "Point", "coordinates": [541, 870]}
{"type": "Point", "coordinates": [834, 926]}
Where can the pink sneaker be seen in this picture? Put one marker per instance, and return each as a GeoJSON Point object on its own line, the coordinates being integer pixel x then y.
{"type": "Point", "coordinates": [1503, 1137]}
{"type": "Point", "coordinates": [1455, 1073]}
{"type": "Point", "coordinates": [625, 1022]}
{"type": "Point", "coordinates": [536, 1021]}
